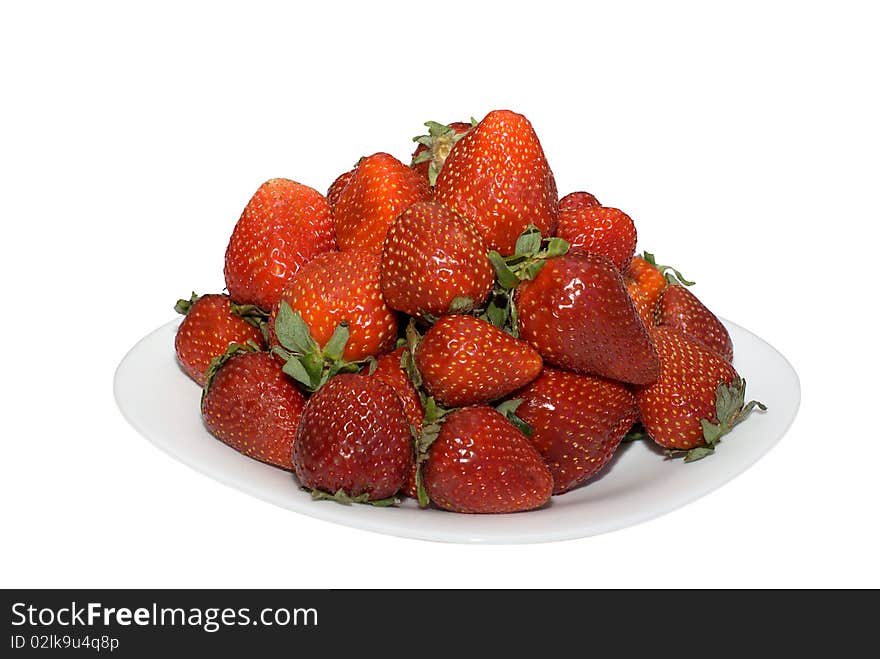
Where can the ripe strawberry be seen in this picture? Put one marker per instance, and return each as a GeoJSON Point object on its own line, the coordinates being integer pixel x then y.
{"type": "Point", "coordinates": [342, 287]}
{"type": "Point", "coordinates": [284, 225]}
{"type": "Point", "coordinates": [645, 283]}
{"type": "Point", "coordinates": [575, 201]}
{"type": "Point", "coordinates": [434, 262]}
{"type": "Point", "coordinates": [480, 463]}
{"type": "Point", "coordinates": [380, 189]}
{"type": "Point", "coordinates": [601, 230]}
{"type": "Point", "coordinates": [498, 177]}
{"type": "Point", "coordinates": [212, 323]}
{"type": "Point", "coordinates": [252, 406]}
{"type": "Point", "coordinates": [578, 422]}
{"type": "Point", "coordinates": [353, 441]}
{"type": "Point", "coordinates": [681, 310]}
{"type": "Point", "coordinates": [338, 185]}
{"type": "Point", "coordinates": [698, 397]}
{"type": "Point", "coordinates": [434, 148]}
{"type": "Point", "coordinates": [577, 314]}
{"type": "Point", "coordinates": [467, 361]}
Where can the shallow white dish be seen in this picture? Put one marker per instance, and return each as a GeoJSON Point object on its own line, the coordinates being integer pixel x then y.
{"type": "Point", "coordinates": [639, 484]}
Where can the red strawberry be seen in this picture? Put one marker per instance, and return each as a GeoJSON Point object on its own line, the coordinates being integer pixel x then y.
{"type": "Point", "coordinates": [353, 441]}
{"type": "Point", "coordinates": [498, 177]}
{"type": "Point", "coordinates": [212, 323]}
{"type": "Point", "coordinates": [284, 225]}
{"type": "Point", "coordinates": [578, 422]}
{"type": "Point", "coordinates": [380, 189]}
{"type": "Point", "coordinates": [697, 398]}
{"type": "Point", "coordinates": [480, 463]}
{"type": "Point", "coordinates": [390, 371]}
{"type": "Point", "coordinates": [338, 185]}
{"type": "Point", "coordinates": [252, 406]}
{"type": "Point", "coordinates": [645, 283]}
{"type": "Point", "coordinates": [601, 230]}
{"type": "Point", "coordinates": [681, 310]}
{"type": "Point", "coordinates": [434, 147]}
{"type": "Point", "coordinates": [577, 313]}
{"type": "Point", "coordinates": [343, 287]}
{"type": "Point", "coordinates": [434, 262]}
{"type": "Point", "coordinates": [578, 200]}
{"type": "Point", "coordinates": [466, 361]}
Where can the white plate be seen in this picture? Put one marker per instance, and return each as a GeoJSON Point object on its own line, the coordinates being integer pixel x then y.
{"type": "Point", "coordinates": [639, 484]}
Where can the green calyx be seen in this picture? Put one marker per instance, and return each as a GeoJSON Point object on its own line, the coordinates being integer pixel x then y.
{"type": "Point", "coordinates": [730, 409]}
{"type": "Point", "coordinates": [341, 496]}
{"type": "Point", "coordinates": [671, 275]}
{"type": "Point", "coordinates": [253, 315]}
{"type": "Point", "coordinates": [304, 360]}
{"type": "Point", "coordinates": [508, 409]}
{"type": "Point", "coordinates": [530, 255]}
{"type": "Point", "coordinates": [635, 434]}
{"type": "Point", "coordinates": [232, 350]}
{"type": "Point", "coordinates": [183, 306]}
{"type": "Point", "coordinates": [438, 143]}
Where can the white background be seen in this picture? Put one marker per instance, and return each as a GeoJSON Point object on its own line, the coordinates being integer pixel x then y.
{"type": "Point", "coordinates": [744, 142]}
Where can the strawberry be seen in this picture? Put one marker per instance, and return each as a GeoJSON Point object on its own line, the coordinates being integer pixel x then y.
{"type": "Point", "coordinates": [252, 406]}
{"type": "Point", "coordinates": [575, 201]}
{"type": "Point", "coordinates": [576, 312]}
{"type": "Point", "coordinates": [380, 189]}
{"type": "Point", "coordinates": [467, 361]}
{"type": "Point", "coordinates": [681, 310]}
{"type": "Point", "coordinates": [284, 226]}
{"type": "Point", "coordinates": [212, 323]}
{"type": "Point", "coordinates": [353, 441]}
{"type": "Point", "coordinates": [644, 283]}
{"type": "Point", "coordinates": [434, 262]}
{"type": "Point", "coordinates": [434, 148]}
{"type": "Point", "coordinates": [601, 230]}
{"type": "Point", "coordinates": [578, 422]}
{"type": "Point", "coordinates": [389, 369]}
{"type": "Point", "coordinates": [697, 399]}
{"type": "Point", "coordinates": [481, 463]}
{"type": "Point", "coordinates": [498, 177]}
{"type": "Point", "coordinates": [341, 287]}
{"type": "Point", "coordinates": [338, 185]}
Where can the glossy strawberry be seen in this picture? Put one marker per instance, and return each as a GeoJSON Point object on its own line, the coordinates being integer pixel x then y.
{"type": "Point", "coordinates": [645, 283]}
{"type": "Point", "coordinates": [212, 323]}
{"type": "Point", "coordinates": [434, 148]}
{"type": "Point", "coordinates": [353, 440]}
{"type": "Point", "coordinates": [380, 189]}
{"type": "Point", "coordinates": [577, 313]}
{"type": "Point", "coordinates": [343, 287]}
{"type": "Point", "coordinates": [480, 463]}
{"type": "Point", "coordinates": [498, 177]}
{"type": "Point", "coordinates": [697, 398]}
{"type": "Point", "coordinates": [578, 422]}
{"type": "Point", "coordinates": [601, 230]}
{"type": "Point", "coordinates": [466, 361]}
{"type": "Point", "coordinates": [574, 201]}
{"type": "Point", "coordinates": [338, 185]}
{"type": "Point", "coordinates": [284, 226]}
{"type": "Point", "coordinates": [681, 310]}
{"type": "Point", "coordinates": [434, 262]}
{"type": "Point", "coordinates": [252, 406]}
{"type": "Point", "coordinates": [390, 371]}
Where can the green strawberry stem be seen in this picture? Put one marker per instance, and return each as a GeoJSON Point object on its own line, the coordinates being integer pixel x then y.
{"type": "Point", "coordinates": [672, 275]}
{"type": "Point", "coordinates": [304, 360]}
{"type": "Point", "coordinates": [183, 306]}
{"type": "Point", "coordinates": [217, 362]}
{"type": "Point", "coordinates": [341, 496]}
{"type": "Point", "coordinates": [438, 143]}
{"type": "Point", "coordinates": [730, 410]}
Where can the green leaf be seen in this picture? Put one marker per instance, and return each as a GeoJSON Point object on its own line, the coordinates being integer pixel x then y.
{"type": "Point", "coordinates": [712, 432]}
{"type": "Point", "coordinates": [336, 345]}
{"type": "Point", "coordinates": [461, 304]}
{"type": "Point", "coordinates": [635, 434]}
{"type": "Point", "coordinates": [372, 365]}
{"type": "Point", "coordinates": [529, 242]}
{"type": "Point", "coordinates": [531, 271]}
{"type": "Point", "coordinates": [506, 277]}
{"type": "Point", "coordinates": [183, 306]}
{"type": "Point", "coordinates": [292, 331]}
{"type": "Point", "coordinates": [436, 129]}
{"type": "Point", "coordinates": [425, 140]}
{"type": "Point", "coordinates": [495, 314]}
{"type": "Point", "coordinates": [698, 453]}
{"type": "Point", "coordinates": [424, 156]}
{"type": "Point", "coordinates": [341, 496]}
{"type": "Point", "coordinates": [557, 247]}
{"type": "Point", "coordinates": [297, 371]}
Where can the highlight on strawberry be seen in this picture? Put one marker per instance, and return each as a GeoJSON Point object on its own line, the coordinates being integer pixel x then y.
{"type": "Point", "coordinates": [454, 332]}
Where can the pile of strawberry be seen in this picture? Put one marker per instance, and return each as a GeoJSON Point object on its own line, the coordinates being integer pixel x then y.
{"type": "Point", "coordinates": [367, 334]}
